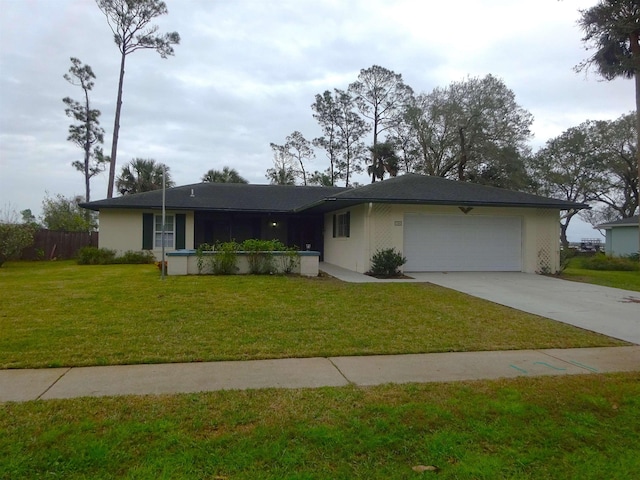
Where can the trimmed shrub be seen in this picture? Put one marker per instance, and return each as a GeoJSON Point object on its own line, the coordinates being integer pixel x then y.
{"type": "Point", "coordinates": [225, 260]}
{"type": "Point", "coordinates": [95, 256]}
{"type": "Point", "coordinates": [603, 262]}
{"type": "Point", "coordinates": [104, 256]}
{"type": "Point", "coordinates": [259, 255]}
{"type": "Point", "coordinates": [387, 263]}
{"type": "Point", "coordinates": [131, 257]}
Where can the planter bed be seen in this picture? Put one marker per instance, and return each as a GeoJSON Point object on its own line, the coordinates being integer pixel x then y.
{"type": "Point", "coordinates": [185, 262]}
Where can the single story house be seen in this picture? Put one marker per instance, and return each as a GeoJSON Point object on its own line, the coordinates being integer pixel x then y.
{"type": "Point", "coordinates": [437, 224]}
{"type": "Point", "coordinates": [621, 236]}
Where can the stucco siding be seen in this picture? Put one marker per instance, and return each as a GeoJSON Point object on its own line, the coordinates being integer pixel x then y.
{"type": "Point", "coordinates": [121, 230]}
{"type": "Point", "coordinates": [382, 227]}
{"type": "Point", "coordinates": [622, 240]}
{"type": "Point", "coordinates": [348, 252]}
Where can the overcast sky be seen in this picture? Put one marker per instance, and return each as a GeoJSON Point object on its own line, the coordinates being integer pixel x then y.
{"type": "Point", "coordinates": [246, 73]}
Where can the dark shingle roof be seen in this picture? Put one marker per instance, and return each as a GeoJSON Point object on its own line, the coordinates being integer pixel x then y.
{"type": "Point", "coordinates": [428, 190]}
{"type": "Point", "coordinates": [406, 189]}
{"type": "Point", "coordinates": [623, 222]}
{"type": "Point", "coordinates": [223, 197]}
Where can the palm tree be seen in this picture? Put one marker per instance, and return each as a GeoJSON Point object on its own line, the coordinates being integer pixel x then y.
{"type": "Point", "coordinates": [386, 160]}
{"type": "Point", "coordinates": [612, 29]}
{"type": "Point", "coordinates": [142, 175]}
{"type": "Point", "coordinates": [226, 175]}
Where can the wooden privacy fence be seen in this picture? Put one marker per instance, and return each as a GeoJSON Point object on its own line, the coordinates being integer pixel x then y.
{"type": "Point", "coordinates": [50, 244]}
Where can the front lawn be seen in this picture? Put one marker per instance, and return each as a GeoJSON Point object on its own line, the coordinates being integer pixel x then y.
{"type": "Point", "coordinates": [607, 278]}
{"type": "Point", "coordinates": [579, 427]}
{"type": "Point", "coordinates": [62, 314]}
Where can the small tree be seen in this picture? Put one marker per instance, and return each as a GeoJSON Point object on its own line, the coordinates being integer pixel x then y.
{"type": "Point", "coordinates": [29, 217]}
{"type": "Point", "coordinates": [14, 236]}
{"type": "Point", "coordinates": [87, 133]}
{"type": "Point", "coordinates": [282, 171]}
{"type": "Point", "coordinates": [66, 215]}
{"type": "Point", "coordinates": [296, 152]}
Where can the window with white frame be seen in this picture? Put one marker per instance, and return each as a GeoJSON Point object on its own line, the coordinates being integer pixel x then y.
{"type": "Point", "coordinates": [341, 225]}
{"type": "Point", "coordinates": [169, 231]}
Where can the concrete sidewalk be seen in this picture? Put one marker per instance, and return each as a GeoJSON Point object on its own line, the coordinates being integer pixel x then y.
{"type": "Point", "coordinates": [35, 384]}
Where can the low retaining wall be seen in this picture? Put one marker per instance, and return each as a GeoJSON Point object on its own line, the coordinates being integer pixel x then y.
{"type": "Point", "coordinates": [185, 262]}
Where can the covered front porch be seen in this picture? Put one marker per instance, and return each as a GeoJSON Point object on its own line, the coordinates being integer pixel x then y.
{"type": "Point", "coordinates": [305, 232]}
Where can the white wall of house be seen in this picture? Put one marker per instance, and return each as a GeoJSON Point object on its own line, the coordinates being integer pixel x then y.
{"type": "Point", "coordinates": [351, 252]}
{"type": "Point", "coordinates": [621, 240]}
{"type": "Point", "coordinates": [379, 226]}
{"type": "Point", "coordinates": [121, 230]}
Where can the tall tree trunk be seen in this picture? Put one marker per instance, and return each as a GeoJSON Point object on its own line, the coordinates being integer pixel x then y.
{"type": "Point", "coordinates": [116, 130]}
{"type": "Point", "coordinates": [563, 235]}
{"type": "Point", "coordinates": [87, 147]}
{"type": "Point", "coordinates": [634, 42]}
{"type": "Point", "coordinates": [463, 155]}
{"type": "Point", "coordinates": [637, 79]}
{"type": "Point", "coordinates": [374, 156]}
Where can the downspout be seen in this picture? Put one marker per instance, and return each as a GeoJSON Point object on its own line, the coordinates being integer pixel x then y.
{"type": "Point", "coordinates": [367, 259]}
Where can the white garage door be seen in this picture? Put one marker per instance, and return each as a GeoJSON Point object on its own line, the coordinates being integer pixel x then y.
{"type": "Point", "coordinates": [462, 243]}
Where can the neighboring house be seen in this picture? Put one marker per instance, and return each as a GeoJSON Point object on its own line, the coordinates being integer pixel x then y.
{"type": "Point", "coordinates": [437, 224]}
{"type": "Point", "coordinates": [621, 236]}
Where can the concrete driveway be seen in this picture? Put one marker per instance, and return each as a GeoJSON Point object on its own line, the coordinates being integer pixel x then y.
{"type": "Point", "coordinates": [610, 311]}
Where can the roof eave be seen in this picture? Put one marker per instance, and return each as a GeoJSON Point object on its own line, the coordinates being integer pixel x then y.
{"type": "Point", "coordinates": [182, 208]}
{"type": "Point", "coordinates": [340, 202]}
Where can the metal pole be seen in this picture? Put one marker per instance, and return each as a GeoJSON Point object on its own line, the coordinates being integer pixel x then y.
{"type": "Point", "coordinates": [163, 220]}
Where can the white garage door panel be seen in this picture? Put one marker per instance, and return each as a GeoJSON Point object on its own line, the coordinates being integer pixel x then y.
{"type": "Point", "coordinates": [462, 243]}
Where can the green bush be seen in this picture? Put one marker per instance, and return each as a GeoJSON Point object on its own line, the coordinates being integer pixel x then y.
{"type": "Point", "coordinates": [131, 257]}
{"type": "Point", "coordinates": [565, 258]}
{"type": "Point", "coordinates": [262, 261]}
{"type": "Point", "coordinates": [260, 256]}
{"type": "Point", "coordinates": [259, 253]}
{"type": "Point", "coordinates": [14, 237]}
{"type": "Point", "coordinates": [95, 256]}
{"type": "Point", "coordinates": [387, 263]}
{"type": "Point", "coordinates": [104, 256]}
{"type": "Point", "coordinates": [289, 261]}
{"type": "Point", "coordinates": [223, 262]}
{"type": "Point", "coordinates": [604, 262]}
{"type": "Point", "coordinates": [634, 257]}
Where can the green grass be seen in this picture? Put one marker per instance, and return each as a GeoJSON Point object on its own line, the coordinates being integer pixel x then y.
{"type": "Point", "coordinates": [607, 278]}
{"type": "Point", "coordinates": [62, 314]}
{"type": "Point", "coordinates": [582, 427]}
{"type": "Point", "coordinates": [58, 313]}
